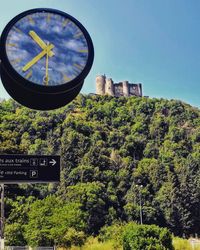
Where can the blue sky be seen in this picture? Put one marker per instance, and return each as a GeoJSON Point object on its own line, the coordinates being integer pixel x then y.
{"type": "Point", "coordinates": [155, 42]}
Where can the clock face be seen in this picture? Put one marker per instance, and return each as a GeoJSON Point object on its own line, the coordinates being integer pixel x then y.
{"type": "Point", "coordinates": [47, 48]}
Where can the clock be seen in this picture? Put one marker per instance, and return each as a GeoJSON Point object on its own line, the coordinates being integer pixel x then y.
{"type": "Point", "coordinates": [45, 56]}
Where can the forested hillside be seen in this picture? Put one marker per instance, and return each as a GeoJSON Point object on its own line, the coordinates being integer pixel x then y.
{"type": "Point", "coordinates": [113, 150]}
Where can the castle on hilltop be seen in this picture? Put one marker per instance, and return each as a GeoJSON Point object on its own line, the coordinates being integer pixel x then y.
{"type": "Point", "coordinates": [106, 86]}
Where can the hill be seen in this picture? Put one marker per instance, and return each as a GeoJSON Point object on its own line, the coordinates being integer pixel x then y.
{"type": "Point", "coordinates": [114, 151]}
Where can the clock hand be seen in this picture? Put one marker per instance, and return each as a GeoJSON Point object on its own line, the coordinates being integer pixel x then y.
{"type": "Point", "coordinates": [39, 41]}
{"type": "Point", "coordinates": [38, 57]}
{"type": "Point", "coordinates": [47, 69]}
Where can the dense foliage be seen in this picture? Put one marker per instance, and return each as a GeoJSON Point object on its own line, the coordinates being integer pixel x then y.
{"type": "Point", "coordinates": [114, 151]}
{"type": "Point", "coordinates": [134, 236]}
{"type": "Point", "coordinates": [145, 237]}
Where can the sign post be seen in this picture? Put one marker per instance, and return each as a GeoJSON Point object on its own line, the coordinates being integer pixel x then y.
{"type": "Point", "coordinates": [2, 217]}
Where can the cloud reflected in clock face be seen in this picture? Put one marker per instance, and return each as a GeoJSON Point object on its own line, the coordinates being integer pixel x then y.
{"type": "Point", "coordinates": [27, 43]}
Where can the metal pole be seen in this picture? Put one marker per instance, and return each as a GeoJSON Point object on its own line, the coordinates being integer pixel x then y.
{"type": "Point", "coordinates": [140, 208]}
{"type": "Point", "coordinates": [140, 197]}
{"type": "Point", "coordinates": [2, 217]}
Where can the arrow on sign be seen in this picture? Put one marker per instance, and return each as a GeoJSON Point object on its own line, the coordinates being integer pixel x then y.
{"type": "Point", "coordinates": [52, 162]}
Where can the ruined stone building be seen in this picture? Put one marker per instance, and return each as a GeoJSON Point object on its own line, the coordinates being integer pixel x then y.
{"type": "Point", "coordinates": [106, 86]}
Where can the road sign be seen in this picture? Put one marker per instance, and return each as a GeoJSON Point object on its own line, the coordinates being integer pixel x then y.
{"type": "Point", "coordinates": [29, 168]}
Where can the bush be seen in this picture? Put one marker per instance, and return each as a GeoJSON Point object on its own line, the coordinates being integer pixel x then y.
{"type": "Point", "coordinates": [73, 237]}
{"type": "Point", "coordinates": [146, 237]}
{"type": "Point", "coordinates": [14, 235]}
{"type": "Point", "coordinates": [112, 233]}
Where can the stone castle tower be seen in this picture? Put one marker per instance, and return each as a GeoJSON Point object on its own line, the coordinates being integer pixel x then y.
{"type": "Point", "coordinates": [106, 86]}
{"type": "Point", "coordinates": [100, 84]}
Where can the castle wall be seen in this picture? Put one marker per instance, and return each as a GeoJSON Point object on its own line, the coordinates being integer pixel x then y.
{"type": "Point", "coordinates": [109, 88]}
{"type": "Point", "coordinates": [134, 89]}
{"type": "Point", "coordinates": [118, 89]}
{"type": "Point", "coordinates": [125, 88]}
{"type": "Point", "coordinates": [105, 86]}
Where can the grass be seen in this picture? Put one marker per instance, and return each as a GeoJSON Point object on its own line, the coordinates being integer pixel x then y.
{"type": "Point", "coordinates": [93, 244]}
{"type": "Point", "coordinates": [182, 244]}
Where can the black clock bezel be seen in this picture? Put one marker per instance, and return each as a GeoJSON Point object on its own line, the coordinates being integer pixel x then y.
{"type": "Point", "coordinates": [31, 85]}
{"type": "Point", "coordinates": [35, 100]}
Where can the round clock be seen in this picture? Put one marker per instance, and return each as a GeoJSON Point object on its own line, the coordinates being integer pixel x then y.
{"type": "Point", "coordinates": [45, 56]}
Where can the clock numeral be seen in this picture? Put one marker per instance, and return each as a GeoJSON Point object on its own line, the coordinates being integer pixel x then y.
{"type": "Point", "coordinates": [76, 72]}
{"type": "Point", "coordinates": [12, 45]}
{"type": "Point", "coordinates": [78, 35]}
{"type": "Point", "coordinates": [66, 78]}
{"type": "Point", "coordinates": [29, 74]}
{"type": "Point", "coordinates": [78, 66]}
{"type": "Point", "coordinates": [83, 51]}
{"type": "Point", "coordinates": [31, 21]}
{"type": "Point", "coordinates": [17, 30]}
{"type": "Point", "coordinates": [15, 61]}
{"type": "Point", "coordinates": [48, 17]}
{"type": "Point", "coordinates": [65, 22]}
{"type": "Point", "coordinates": [57, 17]}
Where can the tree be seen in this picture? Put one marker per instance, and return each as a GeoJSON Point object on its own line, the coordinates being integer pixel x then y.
{"type": "Point", "coordinates": [37, 229]}
{"type": "Point", "coordinates": [137, 237]}
{"type": "Point", "coordinates": [92, 197]}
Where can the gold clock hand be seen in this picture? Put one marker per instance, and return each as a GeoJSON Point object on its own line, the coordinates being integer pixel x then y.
{"type": "Point", "coordinates": [38, 57]}
{"type": "Point", "coordinates": [39, 41]}
{"type": "Point", "coordinates": [47, 69]}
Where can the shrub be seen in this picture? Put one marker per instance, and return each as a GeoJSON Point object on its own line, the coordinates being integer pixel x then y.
{"type": "Point", "coordinates": [112, 233]}
{"type": "Point", "coordinates": [73, 237]}
{"type": "Point", "coordinates": [146, 237]}
{"type": "Point", "coordinates": [14, 235]}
